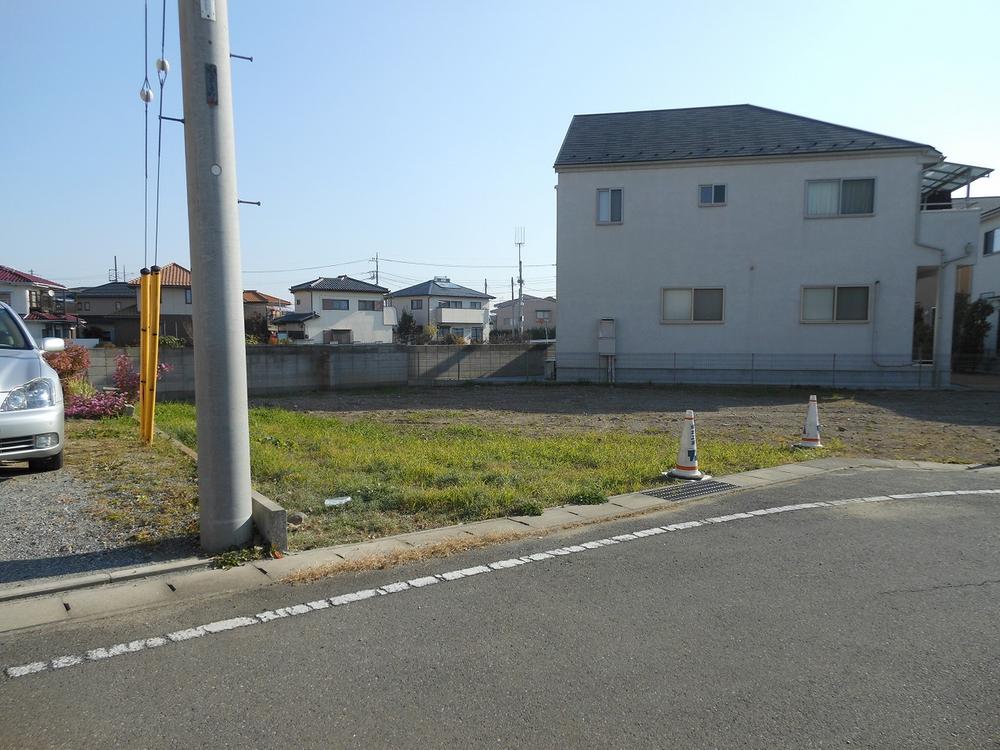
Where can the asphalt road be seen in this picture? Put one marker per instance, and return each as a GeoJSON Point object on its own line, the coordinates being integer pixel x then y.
{"type": "Point", "coordinates": [861, 625]}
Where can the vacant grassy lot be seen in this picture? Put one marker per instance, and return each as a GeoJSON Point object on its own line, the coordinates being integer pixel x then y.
{"type": "Point", "coordinates": [419, 472]}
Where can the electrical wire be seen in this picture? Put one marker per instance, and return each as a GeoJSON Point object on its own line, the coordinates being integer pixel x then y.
{"type": "Point", "coordinates": [145, 150]}
{"type": "Point", "coordinates": [463, 265]}
{"type": "Point", "coordinates": [311, 268]}
{"type": "Point", "coordinates": [161, 74]}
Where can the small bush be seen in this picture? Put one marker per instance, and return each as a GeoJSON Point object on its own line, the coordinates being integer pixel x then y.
{"type": "Point", "coordinates": [126, 377]}
{"type": "Point", "coordinates": [78, 388]}
{"type": "Point", "coordinates": [70, 363]}
{"type": "Point", "coordinates": [172, 342]}
{"type": "Point", "coordinates": [591, 495]}
{"type": "Point", "coordinates": [97, 406]}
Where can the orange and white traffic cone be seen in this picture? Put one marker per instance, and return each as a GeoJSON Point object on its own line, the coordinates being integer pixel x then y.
{"type": "Point", "coordinates": [687, 453]}
{"type": "Point", "coordinates": [810, 430]}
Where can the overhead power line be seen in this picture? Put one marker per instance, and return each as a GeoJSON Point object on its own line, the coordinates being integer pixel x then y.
{"type": "Point", "coordinates": [464, 265]}
{"type": "Point", "coordinates": [312, 268]}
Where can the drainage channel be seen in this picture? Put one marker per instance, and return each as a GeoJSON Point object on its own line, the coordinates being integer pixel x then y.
{"type": "Point", "coordinates": [686, 491]}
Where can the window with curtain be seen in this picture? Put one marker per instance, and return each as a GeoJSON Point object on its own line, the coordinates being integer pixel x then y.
{"type": "Point", "coordinates": [688, 305]}
{"type": "Point", "coordinates": [835, 304]}
{"type": "Point", "coordinates": [840, 197]}
{"type": "Point", "coordinates": [609, 206]}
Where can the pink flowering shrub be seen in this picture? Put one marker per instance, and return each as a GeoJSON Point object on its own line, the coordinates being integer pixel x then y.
{"type": "Point", "coordinates": [126, 377]}
{"type": "Point", "coordinates": [98, 406]}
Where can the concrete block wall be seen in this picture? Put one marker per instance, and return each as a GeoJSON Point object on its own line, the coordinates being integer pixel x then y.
{"type": "Point", "coordinates": [273, 370]}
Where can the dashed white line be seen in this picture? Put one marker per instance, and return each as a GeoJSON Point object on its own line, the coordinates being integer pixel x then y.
{"type": "Point", "coordinates": [222, 626]}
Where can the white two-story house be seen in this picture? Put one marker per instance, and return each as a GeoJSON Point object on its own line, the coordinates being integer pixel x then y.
{"type": "Point", "coordinates": [337, 310]}
{"type": "Point", "coordinates": [742, 244]}
{"type": "Point", "coordinates": [451, 307]}
{"type": "Point", "coordinates": [40, 302]}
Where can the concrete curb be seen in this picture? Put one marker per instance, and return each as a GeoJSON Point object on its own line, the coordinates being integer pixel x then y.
{"type": "Point", "coordinates": [97, 595]}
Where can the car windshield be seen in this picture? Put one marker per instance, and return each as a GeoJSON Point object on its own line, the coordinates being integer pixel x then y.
{"type": "Point", "coordinates": [11, 336]}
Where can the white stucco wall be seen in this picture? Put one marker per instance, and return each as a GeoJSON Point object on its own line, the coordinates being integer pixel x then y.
{"type": "Point", "coordinates": [367, 326]}
{"type": "Point", "coordinates": [18, 297]}
{"type": "Point", "coordinates": [986, 283]}
{"type": "Point", "coordinates": [759, 247]}
{"type": "Point", "coordinates": [472, 317]}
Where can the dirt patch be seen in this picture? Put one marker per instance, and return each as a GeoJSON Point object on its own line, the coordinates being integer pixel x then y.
{"type": "Point", "coordinates": [952, 426]}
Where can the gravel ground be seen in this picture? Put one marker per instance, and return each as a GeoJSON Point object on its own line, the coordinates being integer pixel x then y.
{"type": "Point", "coordinates": [46, 529]}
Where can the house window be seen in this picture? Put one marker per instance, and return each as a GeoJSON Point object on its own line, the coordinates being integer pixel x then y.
{"type": "Point", "coordinates": [5, 297]}
{"type": "Point", "coordinates": [609, 206]}
{"type": "Point", "coordinates": [545, 315]}
{"type": "Point", "coordinates": [416, 304]}
{"type": "Point", "coordinates": [687, 305]}
{"type": "Point", "coordinates": [34, 298]}
{"type": "Point", "coordinates": [835, 304]}
{"type": "Point", "coordinates": [86, 307]}
{"type": "Point", "coordinates": [840, 197]}
{"type": "Point", "coordinates": [477, 334]}
{"type": "Point", "coordinates": [118, 306]}
{"type": "Point", "coordinates": [990, 243]}
{"type": "Point", "coordinates": [366, 305]}
{"type": "Point", "coordinates": [458, 331]}
{"type": "Point", "coordinates": [455, 304]}
{"type": "Point", "coordinates": [187, 296]}
{"type": "Point", "coordinates": [336, 304]}
{"type": "Point", "coordinates": [711, 195]}
{"type": "Point", "coordinates": [475, 305]}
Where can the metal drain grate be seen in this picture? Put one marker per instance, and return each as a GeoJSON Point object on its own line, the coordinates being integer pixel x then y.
{"type": "Point", "coordinates": [686, 491]}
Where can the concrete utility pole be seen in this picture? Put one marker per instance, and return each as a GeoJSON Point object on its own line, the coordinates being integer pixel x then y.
{"type": "Point", "coordinates": [519, 241]}
{"type": "Point", "coordinates": [216, 279]}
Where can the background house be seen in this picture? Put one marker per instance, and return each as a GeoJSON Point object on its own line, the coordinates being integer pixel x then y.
{"type": "Point", "coordinates": [451, 307]}
{"type": "Point", "coordinates": [175, 301]}
{"type": "Point", "coordinates": [539, 312]}
{"type": "Point", "coordinates": [982, 278]}
{"type": "Point", "coordinates": [40, 302]}
{"type": "Point", "coordinates": [730, 243]}
{"type": "Point", "coordinates": [110, 311]}
{"type": "Point", "coordinates": [337, 310]}
{"type": "Point", "coordinates": [260, 311]}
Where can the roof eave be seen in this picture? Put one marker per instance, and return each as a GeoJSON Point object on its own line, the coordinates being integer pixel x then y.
{"type": "Point", "coordinates": [932, 154]}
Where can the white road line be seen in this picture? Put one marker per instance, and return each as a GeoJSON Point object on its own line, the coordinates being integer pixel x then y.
{"type": "Point", "coordinates": [223, 626]}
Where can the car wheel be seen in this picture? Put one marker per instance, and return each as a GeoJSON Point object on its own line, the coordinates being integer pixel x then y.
{"type": "Point", "coordinates": [51, 463]}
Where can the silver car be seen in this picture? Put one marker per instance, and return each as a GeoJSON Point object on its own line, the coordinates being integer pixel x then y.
{"type": "Point", "coordinates": [31, 399]}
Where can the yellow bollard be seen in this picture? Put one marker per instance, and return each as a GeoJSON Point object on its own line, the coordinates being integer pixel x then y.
{"type": "Point", "coordinates": [144, 284]}
{"type": "Point", "coordinates": [152, 352]}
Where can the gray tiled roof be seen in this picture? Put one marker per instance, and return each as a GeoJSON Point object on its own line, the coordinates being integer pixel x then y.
{"type": "Point", "coordinates": [339, 284]}
{"type": "Point", "coordinates": [709, 132]}
{"type": "Point", "coordinates": [295, 317]}
{"type": "Point", "coordinates": [111, 289]}
{"type": "Point", "coordinates": [435, 288]}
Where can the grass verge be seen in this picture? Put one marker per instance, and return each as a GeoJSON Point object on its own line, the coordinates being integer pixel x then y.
{"type": "Point", "coordinates": [406, 477]}
{"type": "Point", "coordinates": [147, 494]}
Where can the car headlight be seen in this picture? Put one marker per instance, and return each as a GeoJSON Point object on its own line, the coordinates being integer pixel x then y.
{"type": "Point", "coordinates": [36, 394]}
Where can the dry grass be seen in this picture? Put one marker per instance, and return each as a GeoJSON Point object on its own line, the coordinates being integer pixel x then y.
{"type": "Point", "coordinates": [386, 560]}
{"type": "Point", "coordinates": [147, 494]}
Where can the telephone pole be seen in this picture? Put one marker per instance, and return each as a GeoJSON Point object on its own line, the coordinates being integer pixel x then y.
{"type": "Point", "coordinates": [519, 241]}
{"type": "Point", "coordinates": [216, 278]}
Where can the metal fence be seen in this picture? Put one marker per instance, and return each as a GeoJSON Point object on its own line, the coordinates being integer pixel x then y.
{"type": "Point", "coordinates": [828, 369]}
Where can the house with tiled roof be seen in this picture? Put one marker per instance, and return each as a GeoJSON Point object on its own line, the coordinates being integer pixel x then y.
{"type": "Point", "coordinates": [111, 312]}
{"type": "Point", "coordinates": [538, 312]}
{"type": "Point", "coordinates": [40, 302]}
{"type": "Point", "coordinates": [337, 310]}
{"type": "Point", "coordinates": [741, 244]}
{"type": "Point", "coordinates": [450, 307]}
{"type": "Point", "coordinates": [175, 301]}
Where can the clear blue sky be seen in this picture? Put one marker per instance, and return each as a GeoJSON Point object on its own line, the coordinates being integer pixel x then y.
{"type": "Point", "coordinates": [427, 131]}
